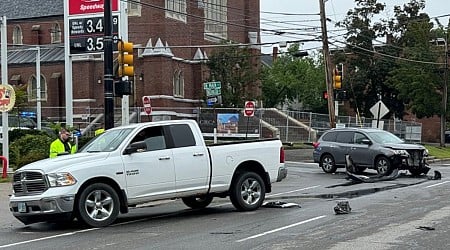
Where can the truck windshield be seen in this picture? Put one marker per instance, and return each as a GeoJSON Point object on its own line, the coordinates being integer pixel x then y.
{"type": "Point", "coordinates": [106, 142]}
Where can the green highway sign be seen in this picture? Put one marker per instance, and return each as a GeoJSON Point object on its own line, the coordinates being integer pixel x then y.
{"type": "Point", "coordinates": [213, 92]}
{"type": "Point", "coordinates": [212, 85]}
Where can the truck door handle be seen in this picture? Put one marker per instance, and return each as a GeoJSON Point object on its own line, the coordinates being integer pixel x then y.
{"type": "Point", "coordinates": [198, 154]}
{"type": "Point", "coordinates": [164, 158]}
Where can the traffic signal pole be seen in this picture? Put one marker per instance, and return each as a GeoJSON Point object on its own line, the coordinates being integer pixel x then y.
{"type": "Point", "coordinates": [108, 64]}
{"type": "Point", "coordinates": [328, 67]}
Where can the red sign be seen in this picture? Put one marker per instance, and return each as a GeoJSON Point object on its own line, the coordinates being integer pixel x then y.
{"type": "Point", "coordinates": [249, 108]}
{"type": "Point", "coordinates": [147, 104]}
{"type": "Point", "coordinates": [77, 7]}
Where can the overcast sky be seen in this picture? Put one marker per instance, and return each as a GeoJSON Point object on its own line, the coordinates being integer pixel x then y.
{"type": "Point", "coordinates": [300, 27]}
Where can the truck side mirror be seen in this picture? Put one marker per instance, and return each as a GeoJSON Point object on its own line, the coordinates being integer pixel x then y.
{"type": "Point", "coordinates": [135, 147]}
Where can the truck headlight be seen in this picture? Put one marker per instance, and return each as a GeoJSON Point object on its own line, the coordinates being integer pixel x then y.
{"type": "Point", "coordinates": [61, 179]}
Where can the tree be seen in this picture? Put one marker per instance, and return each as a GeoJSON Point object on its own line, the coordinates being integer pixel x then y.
{"type": "Point", "coordinates": [297, 79]}
{"type": "Point", "coordinates": [233, 67]}
{"type": "Point", "coordinates": [402, 71]}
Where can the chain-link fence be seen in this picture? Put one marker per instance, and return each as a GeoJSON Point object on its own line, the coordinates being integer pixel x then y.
{"type": "Point", "coordinates": [230, 123]}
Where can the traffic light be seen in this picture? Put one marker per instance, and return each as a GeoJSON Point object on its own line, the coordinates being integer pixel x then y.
{"type": "Point", "coordinates": [125, 59]}
{"type": "Point", "coordinates": [122, 88]}
{"type": "Point", "coordinates": [337, 77]}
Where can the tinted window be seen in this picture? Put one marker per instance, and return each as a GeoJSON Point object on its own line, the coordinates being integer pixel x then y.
{"type": "Point", "coordinates": [359, 137]}
{"type": "Point", "coordinates": [153, 138]}
{"type": "Point", "coordinates": [344, 137]}
{"type": "Point", "coordinates": [182, 135]}
{"type": "Point", "coordinates": [330, 136]}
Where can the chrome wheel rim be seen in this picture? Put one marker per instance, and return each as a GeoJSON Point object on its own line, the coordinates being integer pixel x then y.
{"type": "Point", "coordinates": [251, 191]}
{"type": "Point", "coordinates": [99, 205]}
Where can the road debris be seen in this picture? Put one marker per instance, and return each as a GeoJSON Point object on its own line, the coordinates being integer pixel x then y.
{"type": "Point", "coordinates": [280, 204]}
{"type": "Point", "coordinates": [342, 207]}
{"type": "Point", "coordinates": [425, 228]}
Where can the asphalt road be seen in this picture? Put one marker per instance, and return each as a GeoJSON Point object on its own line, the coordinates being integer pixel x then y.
{"type": "Point", "coordinates": [405, 213]}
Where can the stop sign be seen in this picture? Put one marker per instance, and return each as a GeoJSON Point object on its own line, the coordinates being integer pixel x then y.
{"type": "Point", "coordinates": [147, 104]}
{"type": "Point", "coordinates": [249, 108]}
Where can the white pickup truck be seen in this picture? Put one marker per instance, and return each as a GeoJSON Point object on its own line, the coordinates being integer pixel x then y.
{"type": "Point", "coordinates": [139, 163]}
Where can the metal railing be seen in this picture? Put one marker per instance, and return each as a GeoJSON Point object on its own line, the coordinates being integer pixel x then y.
{"type": "Point", "coordinates": [289, 126]}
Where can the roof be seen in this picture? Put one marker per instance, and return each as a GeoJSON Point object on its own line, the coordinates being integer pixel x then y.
{"type": "Point", "coordinates": [23, 9]}
{"type": "Point", "coordinates": [23, 56]}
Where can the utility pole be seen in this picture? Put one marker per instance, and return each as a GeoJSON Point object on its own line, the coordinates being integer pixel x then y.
{"type": "Point", "coordinates": [444, 95]}
{"type": "Point", "coordinates": [328, 67]}
{"type": "Point", "coordinates": [108, 63]}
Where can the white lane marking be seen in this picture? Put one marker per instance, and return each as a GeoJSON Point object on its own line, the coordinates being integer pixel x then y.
{"type": "Point", "coordinates": [272, 195]}
{"type": "Point", "coordinates": [293, 191]}
{"type": "Point", "coordinates": [282, 228]}
{"type": "Point", "coordinates": [437, 184]}
{"type": "Point", "coordinates": [48, 237]}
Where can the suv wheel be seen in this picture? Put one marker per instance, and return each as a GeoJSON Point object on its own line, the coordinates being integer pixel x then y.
{"type": "Point", "coordinates": [383, 165]}
{"type": "Point", "coordinates": [327, 164]}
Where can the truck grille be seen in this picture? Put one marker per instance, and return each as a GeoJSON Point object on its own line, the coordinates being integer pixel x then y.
{"type": "Point", "coordinates": [416, 158]}
{"type": "Point", "coordinates": [29, 183]}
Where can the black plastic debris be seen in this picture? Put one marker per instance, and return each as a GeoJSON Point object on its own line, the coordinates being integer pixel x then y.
{"type": "Point", "coordinates": [425, 228]}
{"type": "Point", "coordinates": [437, 176]}
{"type": "Point", "coordinates": [342, 207]}
{"type": "Point", "coordinates": [280, 204]}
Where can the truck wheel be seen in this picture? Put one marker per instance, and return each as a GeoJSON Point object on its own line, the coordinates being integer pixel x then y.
{"type": "Point", "coordinates": [247, 191]}
{"type": "Point", "coordinates": [327, 164]}
{"type": "Point", "coordinates": [98, 205]}
{"type": "Point", "coordinates": [197, 202]}
{"type": "Point", "coordinates": [383, 165]}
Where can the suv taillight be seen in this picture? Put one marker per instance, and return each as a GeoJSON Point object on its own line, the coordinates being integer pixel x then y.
{"type": "Point", "coordinates": [281, 155]}
{"type": "Point", "coordinates": [316, 144]}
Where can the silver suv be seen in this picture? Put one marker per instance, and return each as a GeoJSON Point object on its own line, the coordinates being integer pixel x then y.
{"type": "Point", "coordinates": [369, 148]}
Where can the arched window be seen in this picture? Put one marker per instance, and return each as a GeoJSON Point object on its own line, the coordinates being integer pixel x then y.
{"type": "Point", "coordinates": [55, 33]}
{"type": "Point", "coordinates": [178, 83]}
{"type": "Point", "coordinates": [17, 35]}
{"type": "Point", "coordinates": [32, 89]}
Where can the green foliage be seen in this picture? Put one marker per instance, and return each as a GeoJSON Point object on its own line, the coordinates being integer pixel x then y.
{"type": "Point", "coordinates": [233, 67]}
{"type": "Point", "coordinates": [29, 148]}
{"type": "Point", "coordinates": [402, 72]}
{"type": "Point", "coordinates": [297, 79]}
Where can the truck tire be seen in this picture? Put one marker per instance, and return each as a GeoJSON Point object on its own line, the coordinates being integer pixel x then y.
{"type": "Point", "coordinates": [197, 202]}
{"type": "Point", "coordinates": [98, 205]}
{"type": "Point", "coordinates": [247, 192]}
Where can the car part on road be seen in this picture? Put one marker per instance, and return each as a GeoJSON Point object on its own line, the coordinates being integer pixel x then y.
{"type": "Point", "coordinates": [280, 204]}
{"type": "Point", "coordinates": [437, 176]}
{"type": "Point", "coordinates": [342, 207]}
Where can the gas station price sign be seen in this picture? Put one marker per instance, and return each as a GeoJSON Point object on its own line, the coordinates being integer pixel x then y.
{"type": "Point", "coordinates": [86, 34]}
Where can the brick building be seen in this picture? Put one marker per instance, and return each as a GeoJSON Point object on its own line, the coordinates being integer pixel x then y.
{"type": "Point", "coordinates": [169, 37]}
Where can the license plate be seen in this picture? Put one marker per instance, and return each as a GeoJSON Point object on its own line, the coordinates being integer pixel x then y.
{"type": "Point", "coordinates": [22, 207]}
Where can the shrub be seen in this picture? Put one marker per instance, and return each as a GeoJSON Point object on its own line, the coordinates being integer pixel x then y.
{"type": "Point", "coordinates": [29, 148]}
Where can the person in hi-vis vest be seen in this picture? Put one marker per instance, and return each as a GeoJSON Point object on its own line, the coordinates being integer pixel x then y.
{"type": "Point", "coordinates": [62, 146]}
